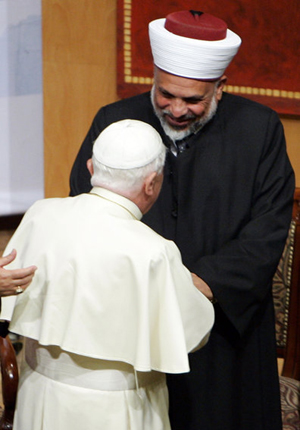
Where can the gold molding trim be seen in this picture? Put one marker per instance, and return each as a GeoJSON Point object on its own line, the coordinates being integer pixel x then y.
{"type": "Point", "coordinates": [267, 92]}
{"type": "Point", "coordinates": [130, 79]}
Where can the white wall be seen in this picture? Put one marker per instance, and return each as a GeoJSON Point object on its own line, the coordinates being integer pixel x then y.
{"type": "Point", "coordinates": [21, 105]}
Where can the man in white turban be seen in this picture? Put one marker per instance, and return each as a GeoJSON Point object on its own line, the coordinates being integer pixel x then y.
{"type": "Point", "coordinates": [112, 307]}
{"type": "Point", "coordinates": [226, 201]}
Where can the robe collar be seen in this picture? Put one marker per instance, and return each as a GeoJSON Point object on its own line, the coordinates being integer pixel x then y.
{"type": "Point", "coordinates": [119, 200]}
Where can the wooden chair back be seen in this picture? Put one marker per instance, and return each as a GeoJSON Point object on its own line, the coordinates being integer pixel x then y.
{"type": "Point", "coordinates": [9, 380]}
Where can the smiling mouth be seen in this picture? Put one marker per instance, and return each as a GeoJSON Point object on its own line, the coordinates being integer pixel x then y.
{"type": "Point", "coordinates": [178, 123]}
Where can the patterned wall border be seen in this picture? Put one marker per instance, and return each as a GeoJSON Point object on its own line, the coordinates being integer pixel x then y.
{"type": "Point", "coordinates": [129, 78]}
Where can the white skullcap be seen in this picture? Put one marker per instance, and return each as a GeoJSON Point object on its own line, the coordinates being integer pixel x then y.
{"type": "Point", "coordinates": [195, 51]}
{"type": "Point", "coordinates": [127, 144]}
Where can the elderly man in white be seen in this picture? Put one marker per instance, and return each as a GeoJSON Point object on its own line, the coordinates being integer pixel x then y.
{"type": "Point", "coordinates": [111, 307]}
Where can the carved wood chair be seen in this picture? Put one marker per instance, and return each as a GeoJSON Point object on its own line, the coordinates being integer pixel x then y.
{"type": "Point", "coordinates": [286, 292]}
{"type": "Point", "coordinates": [9, 379]}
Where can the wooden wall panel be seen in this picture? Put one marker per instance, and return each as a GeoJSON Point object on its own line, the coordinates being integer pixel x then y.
{"type": "Point", "coordinates": [79, 72]}
{"type": "Point", "coordinates": [292, 134]}
{"type": "Point", "coordinates": [79, 61]}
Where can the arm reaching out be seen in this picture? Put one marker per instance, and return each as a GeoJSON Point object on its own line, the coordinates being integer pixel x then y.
{"type": "Point", "coordinates": [10, 280]}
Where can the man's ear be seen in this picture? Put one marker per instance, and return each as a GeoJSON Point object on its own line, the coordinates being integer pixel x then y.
{"type": "Point", "coordinates": [150, 183]}
{"type": "Point", "coordinates": [220, 87]}
{"type": "Point", "coordinates": [89, 165]}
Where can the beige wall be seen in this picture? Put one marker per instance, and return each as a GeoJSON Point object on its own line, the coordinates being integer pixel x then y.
{"type": "Point", "coordinates": [79, 58]}
{"type": "Point", "coordinates": [292, 133]}
{"type": "Point", "coordinates": [79, 61]}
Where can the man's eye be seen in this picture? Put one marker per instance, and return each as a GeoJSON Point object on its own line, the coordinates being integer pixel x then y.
{"type": "Point", "coordinates": [166, 95]}
{"type": "Point", "coordinates": [193, 101]}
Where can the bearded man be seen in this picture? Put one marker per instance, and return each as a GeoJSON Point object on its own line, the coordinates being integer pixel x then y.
{"type": "Point", "coordinates": [226, 201]}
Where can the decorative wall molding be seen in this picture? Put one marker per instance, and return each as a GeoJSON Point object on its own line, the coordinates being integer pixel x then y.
{"type": "Point", "coordinates": [266, 69]}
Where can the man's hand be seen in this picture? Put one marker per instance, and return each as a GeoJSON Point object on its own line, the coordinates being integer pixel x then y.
{"type": "Point", "coordinates": [202, 286]}
{"type": "Point", "coordinates": [10, 280]}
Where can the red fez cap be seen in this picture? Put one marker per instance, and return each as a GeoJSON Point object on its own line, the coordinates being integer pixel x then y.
{"type": "Point", "coordinates": [196, 25]}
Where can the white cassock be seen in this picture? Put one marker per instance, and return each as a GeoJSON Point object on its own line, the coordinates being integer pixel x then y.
{"type": "Point", "coordinates": [111, 309]}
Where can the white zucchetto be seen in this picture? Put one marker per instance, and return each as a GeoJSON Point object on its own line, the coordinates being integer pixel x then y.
{"type": "Point", "coordinates": [127, 144]}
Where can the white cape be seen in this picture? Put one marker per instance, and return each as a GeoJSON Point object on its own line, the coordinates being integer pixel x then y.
{"type": "Point", "coordinates": [107, 286]}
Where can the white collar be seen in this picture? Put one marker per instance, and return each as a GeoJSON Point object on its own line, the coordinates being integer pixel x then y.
{"type": "Point", "coordinates": [122, 201]}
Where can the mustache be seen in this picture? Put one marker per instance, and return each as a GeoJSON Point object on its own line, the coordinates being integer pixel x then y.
{"type": "Point", "coordinates": [182, 118]}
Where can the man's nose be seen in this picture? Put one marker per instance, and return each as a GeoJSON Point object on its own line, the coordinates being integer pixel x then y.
{"type": "Point", "coordinates": [178, 108]}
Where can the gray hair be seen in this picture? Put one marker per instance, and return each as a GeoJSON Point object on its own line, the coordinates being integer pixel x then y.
{"type": "Point", "coordinates": [125, 180]}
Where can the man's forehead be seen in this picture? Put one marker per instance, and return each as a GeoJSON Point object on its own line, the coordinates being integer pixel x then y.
{"type": "Point", "coordinates": [180, 86]}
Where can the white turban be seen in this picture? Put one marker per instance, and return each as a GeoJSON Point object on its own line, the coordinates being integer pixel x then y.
{"type": "Point", "coordinates": [127, 144]}
{"type": "Point", "coordinates": [193, 52]}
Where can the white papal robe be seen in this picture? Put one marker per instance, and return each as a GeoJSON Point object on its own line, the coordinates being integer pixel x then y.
{"type": "Point", "coordinates": [111, 309]}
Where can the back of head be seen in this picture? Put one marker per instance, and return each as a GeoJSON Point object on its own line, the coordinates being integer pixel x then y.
{"type": "Point", "coordinates": [126, 152]}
